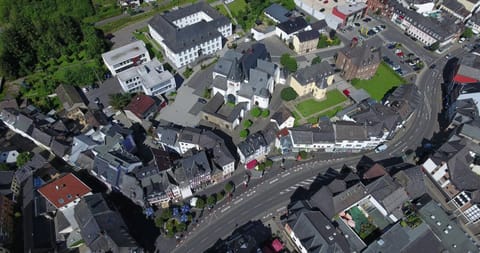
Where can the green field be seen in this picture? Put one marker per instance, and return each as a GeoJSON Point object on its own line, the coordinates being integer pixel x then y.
{"type": "Point", "coordinates": [221, 9]}
{"type": "Point", "coordinates": [311, 106]}
{"type": "Point", "coordinates": [236, 6]}
{"type": "Point", "coordinates": [383, 81]}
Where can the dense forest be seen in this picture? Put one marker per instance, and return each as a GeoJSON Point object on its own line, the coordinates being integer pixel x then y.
{"type": "Point", "coordinates": [47, 42]}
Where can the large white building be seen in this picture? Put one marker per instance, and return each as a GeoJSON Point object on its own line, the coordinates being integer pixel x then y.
{"type": "Point", "coordinates": [149, 77]}
{"type": "Point", "coordinates": [246, 78]}
{"type": "Point", "coordinates": [188, 33]}
{"type": "Point", "coordinates": [123, 58]}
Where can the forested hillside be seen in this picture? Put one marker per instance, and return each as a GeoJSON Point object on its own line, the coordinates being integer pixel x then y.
{"type": "Point", "coordinates": [46, 41]}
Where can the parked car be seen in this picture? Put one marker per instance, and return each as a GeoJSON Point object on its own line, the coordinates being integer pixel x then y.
{"type": "Point", "coordinates": [383, 27]}
{"type": "Point", "coordinates": [461, 40]}
{"type": "Point", "coordinates": [433, 66]}
{"type": "Point", "coordinates": [202, 101]}
{"type": "Point", "coordinates": [357, 24]}
{"type": "Point", "coordinates": [381, 148]}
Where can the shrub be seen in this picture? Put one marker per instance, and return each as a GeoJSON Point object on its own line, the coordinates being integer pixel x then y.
{"type": "Point", "coordinates": [261, 167]}
{"type": "Point", "coordinates": [229, 187]}
{"type": "Point", "coordinates": [268, 163]}
{"type": "Point", "coordinates": [289, 62]}
{"type": "Point", "coordinates": [316, 60]}
{"type": "Point", "coordinates": [247, 123]}
{"type": "Point", "coordinates": [265, 113]}
{"type": "Point", "coordinates": [244, 133]}
{"type": "Point", "coordinates": [220, 195]}
{"type": "Point", "coordinates": [288, 94]}
{"type": "Point", "coordinates": [200, 203]}
{"type": "Point", "coordinates": [211, 200]}
{"type": "Point", "coordinates": [303, 154]}
{"type": "Point", "coordinates": [255, 112]}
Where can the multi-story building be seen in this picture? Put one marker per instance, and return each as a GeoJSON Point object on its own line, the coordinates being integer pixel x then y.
{"type": "Point", "coordinates": [350, 13]}
{"type": "Point", "coordinates": [313, 80]}
{"type": "Point", "coordinates": [190, 32]}
{"type": "Point", "coordinates": [247, 77]}
{"type": "Point", "coordinates": [125, 57]}
{"type": "Point", "coordinates": [254, 147]}
{"type": "Point", "coordinates": [474, 23]}
{"type": "Point", "coordinates": [427, 29]}
{"type": "Point", "coordinates": [65, 192]}
{"type": "Point", "coordinates": [290, 27]}
{"type": "Point", "coordinates": [6, 219]}
{"type": "Point", "coordinates": [142, 107]}
{"type": "Point", "coordinates": [456, 9]}
{"type": "Point", "coordinates": [149, 77]}
{"type": "Point", "coordinates": [304, 42]}
{"type": "Point", "coordinates": [419, 6]}
{"type": "Point", "coordinates": [358, 62]}
{"type": "Point", "coordinates": [378, 6]}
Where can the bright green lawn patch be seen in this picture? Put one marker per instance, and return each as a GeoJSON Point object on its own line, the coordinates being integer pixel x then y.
{"type": "Point", "coordinates": [383, 81]}
{"type": "Point", "coordinates": [332, 112]}
{"type": "Point", "coordinates": [311, 106]}
{"type": "Point", "coordinates": [221, 9]}
{"type": "Point", "coordinates": [312, 120]}
{"type": "Point", "coordinates": [237, 6]}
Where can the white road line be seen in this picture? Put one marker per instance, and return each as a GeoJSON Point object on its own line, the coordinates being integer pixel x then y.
{"type": "Point", "coordinates": [281, 208]}
{"type": "Point", "coordinates": [286, 174]}
{"type": "Point", "coordinates": [305, 183]}
{"type": "Point", "coordinates": [310, 180]}
{"type": "Point", "coordinates": [225, 209]}
{"type": "Point", "coordinates": [274, 180]}
{"type": "Point", "coordinates": [292, 187]}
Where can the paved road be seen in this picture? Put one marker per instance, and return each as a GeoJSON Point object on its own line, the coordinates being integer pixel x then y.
{"type": "Point", "coordinates": [270, 197]}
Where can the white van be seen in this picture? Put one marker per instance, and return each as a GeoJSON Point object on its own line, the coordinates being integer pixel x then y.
{"type": "Point", "coordinates": [381, 148]}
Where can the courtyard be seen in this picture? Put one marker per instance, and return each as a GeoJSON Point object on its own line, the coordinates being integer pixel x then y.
{"type": "Point", "coordinates": [384, 80]}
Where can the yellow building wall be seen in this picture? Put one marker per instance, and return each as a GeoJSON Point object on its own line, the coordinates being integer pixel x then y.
{"type": "Point", "coordinates": [301, 90]}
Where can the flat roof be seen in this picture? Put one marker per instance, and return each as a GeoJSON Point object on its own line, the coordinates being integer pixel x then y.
{"type": "Point", "coordinates": [126, 52]}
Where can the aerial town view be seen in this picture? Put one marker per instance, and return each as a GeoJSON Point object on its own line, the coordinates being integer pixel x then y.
{"type": "Point", "coordinates": [240, 126]}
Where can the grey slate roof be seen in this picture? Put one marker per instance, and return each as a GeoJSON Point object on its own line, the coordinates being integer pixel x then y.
{"type": "Point", "coordinates": [221, 155]}
{"type": "Point", "coordinates": [386, 191]}
{"type": "Point", "coordinates": [102, 229]}
{"type": "Point", "coordinates": [319, 25]}
{"type": "Point", "coordinates": [281, 115]}
{"type": "Point", "coordinates": [252, 143]}
{"type": "Point", "coordinates": [346, 130]}
{"type": "Point", "coordinates": [68, 96]}
{"type": "Point", "coordinates": [322, 134]}
{"type": "Point", "coordinates": [24, 123]}
{"type": "Point", "coordinates": [314, 73]}
{"type": "Point", "coordinates": [469, 66]}
{"type": "Point", "coordinates": [307, 35]}
{"type": "Point", "coordinates": [216, 105]}
{"type": "Point", "coordinates": [456, 7]}
{"type": "Point", "coordinates": [168, 135]}
{"type": "Point", "coordinates": [277, 11]}
{"type": "Point", "coordinates": [293, 25]}
{"type": "Point", "coordinates": [41, 136]}
{"type": "Point", "coordinates": [404, 100]}
{"type": "Point", "coordinates": [187, 37]}
{"type": "Point", "coordinates": [331, 204]}
{"type": "Point", "coordinates": [192, 167]}
{"type": "Point", "coordinates": [413, 180]}
{"type": "Point", "coordinates": [6, 178]}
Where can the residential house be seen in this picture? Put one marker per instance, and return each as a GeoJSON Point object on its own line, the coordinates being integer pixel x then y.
{"type": "Point", "coordinates": [247, 77]}
{"type": "Point", "coordinates": [125, 57]}
{"type": "Point", "coordinates": [69, 97]}
{"type": "Point", "coordinates": [277, 13]}
{"type": "Point", "coordinates": [217, 112]}
{"type": "Point", "coordinates": [6, 220]}
{"type": "Point", "coordinates": [311, 231]}
{"type": "Point", "coordinates": [142, 107]}
{"type": "Point", "coordinates": [193, 173]}
{"type": "Point", "coordinates": [159, 187]}
{"type": "Point", "coordinates": [149, 77]}
{"type": "Point", "coordinates": [320, 26]}
{"type": "Point", "coordinates": [189, 33]}
{"type": "Point", "coordinates": [250, 237]}
{"type": "Point", "coordinates": [456, 9]}
{"type": "Point", "coordinates": [467, 69]}
{"type": "Point", "coordinates": [290, 27]}
{"type": "Point", "coordinates": [413, 181]}
{"type": "Point", "coordinates": [454, 169]}
{"type": "Point", "coordinates": [254, 147]}
{"type": "Point", "coordinates": [350, 13]}
{"type": "Point", "coordinates": [6, 178]}
{"type": "Point", "coordinates": [305, 41]}
{"type": "Point", "coordinates": [101, 227]}
{"type": "Point", "coordinates": [404, 100]}
{"type": "Point", "coordinates": [321, 137]}
{"type": "Point", "coordinates": [358, 62]}
{"type": "Point", "coordinates": [65, 192]}
{"type": "Point", "coordinates": [283, 118]}
{"type": "Point", "coordinates": [474, 22]}
{"type": "Point", "coordinates": [313, 80]}
{"type": "Point", "coordinates": [427, 29]}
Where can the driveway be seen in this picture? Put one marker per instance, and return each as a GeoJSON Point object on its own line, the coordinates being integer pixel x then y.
{"type": "Point", "coordinates": [179, 111]}
{"type": "Point", "coordinates": [124, 36]}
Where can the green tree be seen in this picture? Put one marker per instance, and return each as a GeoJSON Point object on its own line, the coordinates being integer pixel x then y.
{"type": "Point", "coordinates": [265, 113]}
{"type": "Point", "coordinates": [159, 222]}
{"type": "Point", "coordinates": [261, 167]}
{"type": "Point", "coordinates": [316, 60]}
{"type": "Point", "coordinates": [288, 94]}
{"type": "Point", "coordinates": [180, 227]}
{"type": "Point", "coordinates": [322, 41]}
{"type": "Point", "coordinates": [303, 154]}
{"type": "Point", "coordinates": [23, 158]}
{"type": "Point", "coordinates": [211, 200]}
{"type": "Point", "coordinates": [255, 112]}
{"type": "Point", "coordinates": [268, 163]}
{"type": "Point", "coordinates": [434, 46]}
{"type": "Point", "coordinates": [247, 123]}
{"type": "Point", "coordinates": [468, 33]}
{"type": "Point", "coordinates": [288, 62]}
{"type": "Point", "coordinates": [244, 133]}
{"type": "Point", "coordinates": [4, 167]}
{"type": "Point", "coordinates": [220, 195]}
{"type": "Point", "coordinates": [119, 100]}
{"type": "Point", "coordinates": [200, 203]}
{"type": "Point", "coordinates": [229, 187]}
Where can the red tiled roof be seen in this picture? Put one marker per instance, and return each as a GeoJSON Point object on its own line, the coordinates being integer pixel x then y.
{"type": "Point", "coordinates": [277, 245]}
{"type": "Point", "coordinates": [250, 165]}
{"type": "Point", "coordinates": [282, 132]}
{"type": "Point", "coordinates": [140, 104]}
{"type": "Point", "coordinates": [64, 190]}
{"type": "Point", "coordinates": [464, 79]}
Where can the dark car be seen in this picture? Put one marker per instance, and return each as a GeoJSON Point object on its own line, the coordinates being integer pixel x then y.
{"type": "Point", "coordinates": [366, 20]}
{"type": "Point", "coordinates": [433, 66]}
{"type": "Point", "coordinates": [202, 101]}
{"type": "Point", "coordinates": [383, 26]}
{"type": "Point", "coordinates": [322, 9]}
{"type": "Point", "coordinates": [357, 24]}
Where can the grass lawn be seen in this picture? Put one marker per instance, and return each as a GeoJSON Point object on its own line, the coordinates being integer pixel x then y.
{"type": "Point", "coordinates": [237, 6]}
{"type": "Point", "coordinates": [222, 10]}
{"type": "Point", "coordinates": [311, 106]}
{"type": "Point", "coordinates": [332, 112]}
{"type": "Point", "coordinates": [383, 81]}
{"type": "Point", "coordinates": [149, 44]}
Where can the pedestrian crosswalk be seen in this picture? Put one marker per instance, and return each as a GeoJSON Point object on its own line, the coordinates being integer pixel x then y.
{"type": "Point", "coordinates": [304, 183]}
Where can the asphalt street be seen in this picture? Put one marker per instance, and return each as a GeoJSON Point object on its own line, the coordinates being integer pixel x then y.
{"type": "Point", "coordinates": [270, 197]}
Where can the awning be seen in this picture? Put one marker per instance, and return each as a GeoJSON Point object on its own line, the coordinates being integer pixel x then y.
{"type": "Point", "coordinates": [252, 164]}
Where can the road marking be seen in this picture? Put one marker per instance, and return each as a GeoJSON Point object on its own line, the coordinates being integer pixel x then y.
{"type": "Point", "coordinates": [273, 181]}
{"type": "Point", "coordinates": [225, 209]}
{"type": "Point", "coordinates": [250, 193]}
{"type": "Point", "coordinates": [303, 183]}
{"type": "Point", "coordinates": [310, 180]}
{"type": "Point", "coordinates": [281, 208]}
{"type": "Point", "coordinates": [286, 174]}
{"type": "Point", "coordinates": [292, 187]}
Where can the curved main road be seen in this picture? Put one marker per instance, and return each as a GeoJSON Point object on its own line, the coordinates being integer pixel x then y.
{"type": "Point", "coordinates": [270, 197]}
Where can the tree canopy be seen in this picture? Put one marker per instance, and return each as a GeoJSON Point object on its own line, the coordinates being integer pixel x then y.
{"type": "Point", "coordinates": [23, 158]}
{"type": "Point", "coordinates": [288, 94]}
{"type": "Point", "coordinates": [289, 62]}
{"type": "Point", "coordinates": [468, 33]}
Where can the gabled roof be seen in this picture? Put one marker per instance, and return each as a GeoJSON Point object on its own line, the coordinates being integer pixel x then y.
{"type": "Point", "coordinates": [281, 115]}
{"type": "Point", "coordinates": [314, 73]}
{"type": "Point", "coordinates": [293, 25]}
{"type": "Point", "coordinates": [307, 35]}
{"type": "Point", "coordinates": [140, 105]}
{"type": "Point", "coordinates": [193, 166]}
{"type": "Point", "coordinates": [278, 12]}
{"type": "Point", "coordinates": [413, 180]}
{"type": "Point", "coordinates": [252, 143]}
{"type": "Point", "coordinates": [390, 194]}
{"type": "Point", "coordinates": [331, 204]}
{"type": "Point", "coordinates": [64, 190]}
{"type": "Point", "coordinates": [69, 96]}
{"type": "Point", "coordinates": [362, 55]}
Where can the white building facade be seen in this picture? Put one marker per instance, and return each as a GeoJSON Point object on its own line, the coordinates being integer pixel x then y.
{"type": "Point", "coordinates": [128, 56]}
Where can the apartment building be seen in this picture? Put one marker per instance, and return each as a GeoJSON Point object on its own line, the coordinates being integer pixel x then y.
{"type": "Point", "coordinates": [358, 62]}
{"type": "Point", "coordinates": [125, 57]}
